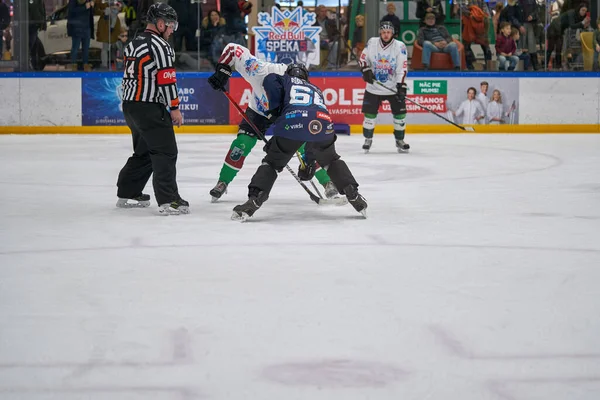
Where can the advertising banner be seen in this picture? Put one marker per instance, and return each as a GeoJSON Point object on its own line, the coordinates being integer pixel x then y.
{"type": "Point", "coordinates": [101, 102]}
{"type": "Point", "coordinates": [288, 37]}
{"type": "Point", "coordinates": [495, 100]}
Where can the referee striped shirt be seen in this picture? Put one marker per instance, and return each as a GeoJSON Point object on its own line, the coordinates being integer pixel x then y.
{"type": "Point", "coordinates": [149, 74]}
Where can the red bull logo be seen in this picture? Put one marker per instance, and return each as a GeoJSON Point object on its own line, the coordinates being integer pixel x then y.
{"type": "Point", "coordinates": [286, 24]}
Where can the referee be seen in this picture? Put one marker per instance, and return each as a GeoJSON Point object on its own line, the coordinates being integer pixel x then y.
{"type": "Point", "coordinates": [149, 87]}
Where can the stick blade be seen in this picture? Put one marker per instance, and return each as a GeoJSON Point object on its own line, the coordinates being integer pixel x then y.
{"type": "Point", "coordinates": [469, 128]}
{"type": "Point", "coordinates": [334, 201]}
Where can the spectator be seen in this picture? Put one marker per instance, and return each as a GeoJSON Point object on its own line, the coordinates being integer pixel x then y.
{"type": "Point", "coordinates": [470, 109]}
{"type": "Point", "coordinates": [235, 28]}
{"type": "Point", "coordinates": [213, 29]}
{"type": "Point", "coordinates": [391, 17]}
{"type": "Point", "coordinates": [574, 19]}
{"type": "Point", "coordinates": [596, 44]}
{"type": "Point", "coordinates": [80, 24]}
{"type": "Point", "coordinates": [120, 49]}
{"type": "Point", "coordinates": [189, 15]}
{"type": "Point", "coordinates": [436, 39]}
{"type": "Point", "coordinates": [358, 41]}
{"type": "Point", "coordinates": [513, 14]}
{"type": "Point", "coordinates": [530, 32]}
{"type": "Point", "coordinates": [329, 36]}
{"type": "Point", "coordinates": [523, 55]}
{"type": "Point", "coordinates": [505, 49]}
{"type": "Point", "coordinates": [425, 7]}
{"type": "Point", "coordinates": [4, 23]}
{"type": "Point", "coordinates": [496, 17]}
{"type": "Point", "coordinates": [475, 17]}
{"type": "Point", "coordinates": [109, 28]}
{"type": "Point", "coordinates": [36, 22]}
{"type": "Point", "coordinates": [130, 10]}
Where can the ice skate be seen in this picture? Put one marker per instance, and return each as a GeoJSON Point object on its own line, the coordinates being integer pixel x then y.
{"type": "Point", "coordinates": [332, 193]}
{"type": "Point", "coordinates": [356, 199]}
{"type": "Point", "coordinates": [174, 208]}
{"type": "Point", "coordinates": [367, 146]}
{"type": "Point", "coordinates": [219, 190]}
{"type": "Point", "coordinates": [402, 146]}
{"type": "Point", "coordinates": [243, 212]}
{"type": "Point", "coordinates": [141, 201]}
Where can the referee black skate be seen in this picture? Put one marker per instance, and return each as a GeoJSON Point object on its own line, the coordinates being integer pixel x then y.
{"type": "Point", "coordinates": [149, 88]}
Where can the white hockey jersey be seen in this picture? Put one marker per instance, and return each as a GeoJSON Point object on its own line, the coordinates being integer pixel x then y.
{"type": "Point", "coordinates": [253, 71]}
{"type": "Point", "coordinates": [389, 63]}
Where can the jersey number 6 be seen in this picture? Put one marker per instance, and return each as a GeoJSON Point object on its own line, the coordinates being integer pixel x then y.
{"type": "Point", "coordinates": [305, 96]}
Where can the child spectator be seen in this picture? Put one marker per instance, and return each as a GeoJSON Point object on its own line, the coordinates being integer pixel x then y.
{"type": "Point", "coordinates": [505, 49]}
{"type": "Point", "coordinates": [515, 34]}
{"type": "Point", "coordinates": [120, 49]}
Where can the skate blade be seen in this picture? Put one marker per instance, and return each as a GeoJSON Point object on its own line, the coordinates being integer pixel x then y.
{"type": "Point", "coordinates": [240, 217]}
{"type": "Point", "coordinates": [366, 151]}
{"type": "Point", "coordinates": [124, 203]}
{"type": "Point", "coordinates": [174, 211]}
{"type": "Point", "coordinates": [334, 201]}
{"type": "Point", "coordinates": [363, 212]}
{"type": "Point", "coordinates": [403, 151]}
{"type": "Point", "coordinates": [214, 199]}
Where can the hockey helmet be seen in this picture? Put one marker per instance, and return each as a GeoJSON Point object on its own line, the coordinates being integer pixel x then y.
{"type": "Point", "coordinates": [162, 11]}
{"type": "Point", "coordinates": [297, 70]}
{"type": "Point", "coordinates": [386, 26]}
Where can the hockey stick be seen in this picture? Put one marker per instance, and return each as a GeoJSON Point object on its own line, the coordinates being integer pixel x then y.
{"type": "Point", "coordinates": [303, 165]}
{"type": "Point", "coordinates": [313, 197]}
{"type": "Point", "coordinates": [464, 128]}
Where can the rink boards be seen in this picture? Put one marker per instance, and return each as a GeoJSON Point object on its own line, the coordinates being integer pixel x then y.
{"type": "Point", "coordinates": [91, 103]}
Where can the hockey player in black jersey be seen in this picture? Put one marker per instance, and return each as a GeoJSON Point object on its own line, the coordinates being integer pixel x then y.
{"type": "Point", "coordinates": [300, 115]}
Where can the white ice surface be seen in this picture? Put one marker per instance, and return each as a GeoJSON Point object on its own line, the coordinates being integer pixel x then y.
{"type": "Point", "coordinates": [476, 276]}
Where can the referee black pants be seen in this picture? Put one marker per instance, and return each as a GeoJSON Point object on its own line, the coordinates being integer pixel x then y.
{"type": "Point", "coordinates": [154, 152]}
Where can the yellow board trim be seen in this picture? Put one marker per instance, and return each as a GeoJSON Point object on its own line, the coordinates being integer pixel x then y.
{"type": "Point", "coordinates": [355, 129]}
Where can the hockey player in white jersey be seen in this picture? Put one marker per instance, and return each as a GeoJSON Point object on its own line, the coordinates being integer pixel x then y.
{"type": "Point", "coordinates": [384, 59]}
{"type": "Point", "coordinates": [254, 71]}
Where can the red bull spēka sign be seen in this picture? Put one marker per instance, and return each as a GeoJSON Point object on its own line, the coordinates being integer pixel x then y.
{"type": "Point", "coordinates": [287, 36]}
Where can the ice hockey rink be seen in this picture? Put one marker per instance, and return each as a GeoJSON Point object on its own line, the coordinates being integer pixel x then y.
{"type": "Point", "coordinates": [475, 277]}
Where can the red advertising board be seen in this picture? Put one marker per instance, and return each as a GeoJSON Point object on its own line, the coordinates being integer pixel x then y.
{"type": "Point", "coordinates": [343, 97]}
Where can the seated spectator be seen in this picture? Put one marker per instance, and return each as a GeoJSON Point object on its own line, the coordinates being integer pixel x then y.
{"type": "Point", "coordinates": [475, 17]}
{"type": "Point", "coordinates": [391, 17]}
{"type": "Point", "coordinates": [506, 48]}
{"type": "Point", "coordinates": [436, 39]}
{"type": "Point", "coordinates": [425, 7]}
{"type": "Point", "coordinates": [213, 29]}
{"type": "Point", "coordinates": [119, 49]}
{"type": "Point", "coordinates": [515, 34]}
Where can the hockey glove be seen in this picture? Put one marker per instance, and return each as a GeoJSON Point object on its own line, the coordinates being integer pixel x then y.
{"type": "Point", "coordinates": [368, 75]}
{"type": "Point", "coordinates": [401, 91]}
{"type": "Point", "coordinates": [308, 172]}
{"type": "Point", "coordinates": [219, 79]}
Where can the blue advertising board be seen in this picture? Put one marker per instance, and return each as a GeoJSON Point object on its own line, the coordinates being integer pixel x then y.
{"type": "Point", "coordinates": [199, 103]}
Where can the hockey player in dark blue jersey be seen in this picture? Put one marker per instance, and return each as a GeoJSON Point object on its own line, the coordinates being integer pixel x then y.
{"type": "Point", "coordinates": [300, 116]}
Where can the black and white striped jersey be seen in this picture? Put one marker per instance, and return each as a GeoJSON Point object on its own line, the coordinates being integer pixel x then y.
{"type": "Point", "coordinates": [149, 74]}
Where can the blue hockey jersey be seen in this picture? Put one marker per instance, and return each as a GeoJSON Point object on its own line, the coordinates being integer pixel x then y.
{"type": "Point", "coordinates": [299, 107]}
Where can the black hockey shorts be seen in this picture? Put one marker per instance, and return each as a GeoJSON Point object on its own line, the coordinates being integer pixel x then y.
{"type": "Point", "coordinates": [262, 123]}
{"type": "Point", "coordinates": [371, 103]}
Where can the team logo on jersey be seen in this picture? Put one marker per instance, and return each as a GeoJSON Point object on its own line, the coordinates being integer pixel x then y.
{"type": "Point", "coordinates": [315, 126]}
{"type": "Point", "coordinates": [288, 36]}
{"type": "Point", "coordinates": [262, 104]}
{"type": "Point", "coordinates": [252, 66]}
{"type": "Point", "coordinates": [384, 67]}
